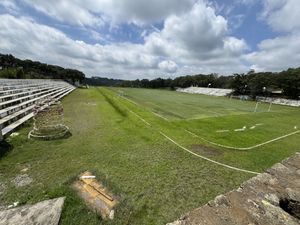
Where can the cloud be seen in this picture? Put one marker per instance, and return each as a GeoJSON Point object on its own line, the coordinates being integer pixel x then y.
{"type": "Point", "coordinates": [282, 15]}
{"type": "Point", "coordinates": [29, 39]}
{"type": "Point", "coordinates": [200, 39]}
{"type": "Point", "coordinates": [71, 12]}
{"type": "Point", "coordinates": [283, 51]}
{"type": "Point", "coordinates": [91, 12]}
{"type": "Point", "coordinates": [195, 41]}
{"type": "Point", "coordinates": [198, 30]}
{"type": "Point", "coordinates": [168, 66]}
{"type": "Point", "coordinates": [10, 6]}
{"type": "Point", "coordinates": [277, 54]}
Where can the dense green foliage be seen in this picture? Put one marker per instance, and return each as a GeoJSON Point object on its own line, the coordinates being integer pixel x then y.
{"type": "Point", "coordinates": [154, 180]}
{"type": "Point", "coordinates": [286, 83]}
{"type": "Point", "coordinates": [100, 81]}
{"type": "Point", "coordinates": [26, 69]}
{"type": "Point", "coordinates": [255, 84]}
{"type": "Point", "coordinates": [212, 80]}
{"type": "Point", "coordinates": [252, 84]}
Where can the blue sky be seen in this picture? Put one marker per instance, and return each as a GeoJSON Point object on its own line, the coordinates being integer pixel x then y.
{"type": "Point", "coordinates": [132, 39]}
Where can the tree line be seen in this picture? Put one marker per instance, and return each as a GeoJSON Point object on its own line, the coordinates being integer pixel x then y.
{"type": "Point", "coordinates": [283, 84]}
{"type": "Point", "coordinates": [15, 68]}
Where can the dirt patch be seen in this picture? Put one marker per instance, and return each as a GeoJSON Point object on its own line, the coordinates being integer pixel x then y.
{"type": "Point", "coordinates": [96, 196]}
{"type": "Point", "coordinates": [22, 180]}
{"type": "Point", "coordinates": [2, 188]}
{"type": "Point", "coordinates": [204, 150]}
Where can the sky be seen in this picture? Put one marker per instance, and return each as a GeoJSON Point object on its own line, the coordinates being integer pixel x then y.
{"type": "Point", "coordinates": [136, 39]}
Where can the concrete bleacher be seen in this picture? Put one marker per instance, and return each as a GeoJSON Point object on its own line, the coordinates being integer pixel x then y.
{"type": "Point", "coordinates": [18, 98]}
{"type": "Point", "coordinates": [206, 91]}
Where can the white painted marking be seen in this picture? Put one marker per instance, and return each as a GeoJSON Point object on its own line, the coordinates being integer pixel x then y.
{"type": "Point", "coordinates": [207, 159]}
{"type": "Point", "coordinates": [200, 156]}
{"type": "Point", "coordinates": [156, 114]}
{"type": "Point", "coordinates": [160, 116]}
{"type": "Point", "coordinates": [238, 130]}
{"type": "Point", "coordinates": [222, 131]}
{"type": "Point", "coordinates": [138, 117]}
{"type": "Point", "coordinates": [129, 100]}
{"type": "Point", "coordinates": [246, 148]}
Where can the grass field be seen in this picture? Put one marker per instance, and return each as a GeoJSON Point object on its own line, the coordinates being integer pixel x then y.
{"type": "Point", "coordinates": [119, 139]}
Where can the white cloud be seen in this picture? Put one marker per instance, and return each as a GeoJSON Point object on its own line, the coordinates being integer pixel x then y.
{"type": "Point", "coordinates": [93, 12]}
{"type": "Point", "coordinates": [198, 30]}
{"type": "Point", "coordinates": [168, 66]}
{"type": "Point", "coordinates": [200, 39]}
{"type": "Point", "coordinates": [277, 54]}
{"type": "Point", "coordinates": [9, 5]}
{"type": "Point", "coordinates": [196, 41]}
{"type": "Point", "coordinates": [70, 12]}
{"type": "Point", "coordinates": [283, 51]}
{"type": "Point", "coordinates": [39, 42]}
{"type": "Point", "coordinates": [282, 15]}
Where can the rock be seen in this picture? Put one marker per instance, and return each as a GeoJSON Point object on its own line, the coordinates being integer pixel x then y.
{"type": "Point", "coordinates": [272, 198]}
{"type": "Point", "coordinates": [45, 212]}
{"type": "Point", "coordinates": [2, 188]}
{"type": "Point", "coordinates": [22, 180]}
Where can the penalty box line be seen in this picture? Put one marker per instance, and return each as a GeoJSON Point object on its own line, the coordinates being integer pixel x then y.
{"type": "Point", "coordinates": [193, 153]}
{"type": "Point", "coordinates": [245, 148]}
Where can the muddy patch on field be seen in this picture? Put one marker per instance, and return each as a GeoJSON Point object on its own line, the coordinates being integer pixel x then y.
{"type": "Point", "coordinates": [204, 150]}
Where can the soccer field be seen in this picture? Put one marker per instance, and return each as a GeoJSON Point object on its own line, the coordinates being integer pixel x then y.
{"type": "Point", "coordinates": [159, 151]}
{"type": "Point", "coordinates": [175, 105]}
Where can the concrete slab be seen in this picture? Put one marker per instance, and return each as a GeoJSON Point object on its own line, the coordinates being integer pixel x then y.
{"type": "Point", "coordinates": [45, 212]}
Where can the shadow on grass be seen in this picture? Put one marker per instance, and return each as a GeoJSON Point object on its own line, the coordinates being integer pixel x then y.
{"type": "Point", "coordinates": [5, 147]}
{"type": "Point", "coordinates": [113, 104]}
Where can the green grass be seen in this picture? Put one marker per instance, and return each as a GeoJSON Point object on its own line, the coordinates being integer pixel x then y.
{"type": "Point", "coordinates": [175, 105]}
{"type": "Point", "coordinates": [155, 180]}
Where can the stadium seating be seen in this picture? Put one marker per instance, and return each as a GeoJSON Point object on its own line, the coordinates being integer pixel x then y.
{"type": "Point", "coordinates": [18, 98]}
{"type": "Point", "coordinates": [206, 91]}
{"type": "Point", "coordinates": [279, 101]}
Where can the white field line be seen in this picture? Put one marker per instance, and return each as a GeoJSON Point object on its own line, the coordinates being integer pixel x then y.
{"type": "Point", "coordinates": [246, 148]}
{"type": "Point", "coordinates": [129, 100]}
{"type": "Point", "coordinates": [207, 159]}
{"type": "Point", "coordinates": [156, 114]}
{"type": "Point", "coordinates": [200, 156]}
{"type": "Point", "coordinates": [139, 117]}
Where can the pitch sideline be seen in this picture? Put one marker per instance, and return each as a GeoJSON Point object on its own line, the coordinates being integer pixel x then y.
{"type": "Point", "coordinates": [193, 153]}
